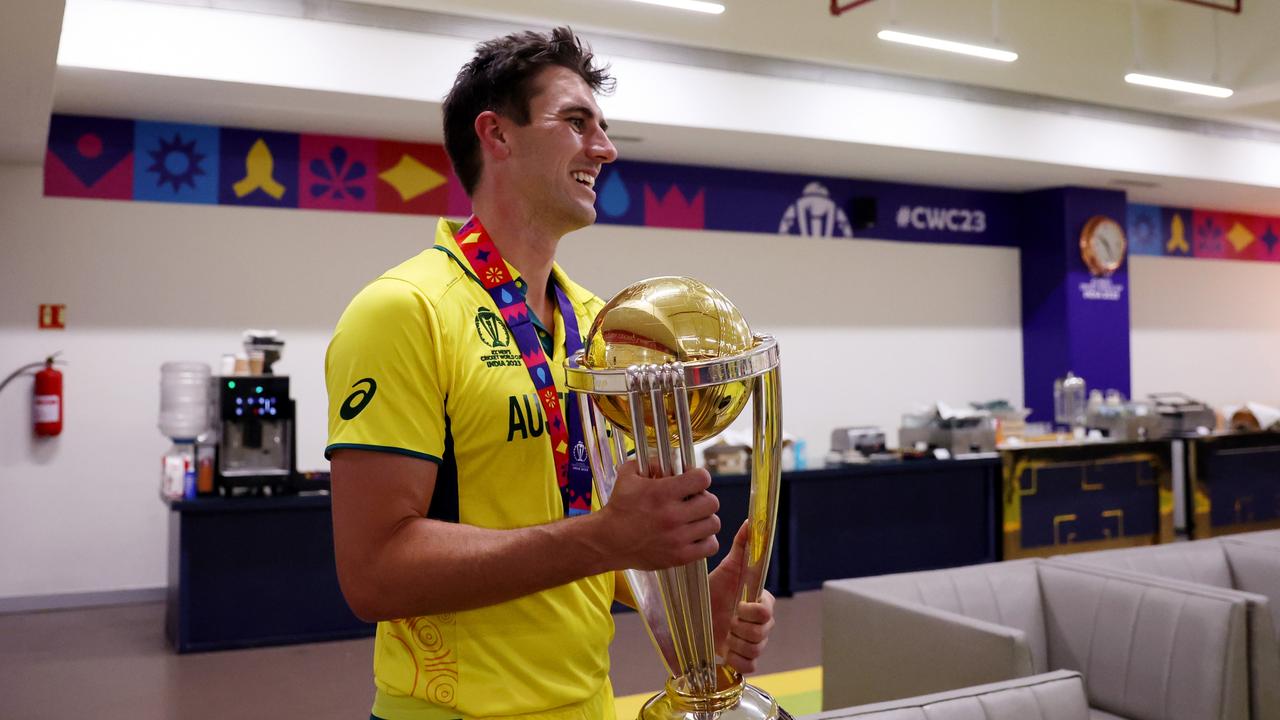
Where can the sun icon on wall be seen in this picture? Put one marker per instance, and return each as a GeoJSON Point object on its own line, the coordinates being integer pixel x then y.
{"type": "Point", "coordinates": [176, 162]}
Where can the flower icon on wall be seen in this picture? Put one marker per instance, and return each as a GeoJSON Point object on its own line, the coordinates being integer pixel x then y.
{"type": "Point", "coordinates": [1210, 234]}
{"type": "Point", "coordinates": [337, 178]}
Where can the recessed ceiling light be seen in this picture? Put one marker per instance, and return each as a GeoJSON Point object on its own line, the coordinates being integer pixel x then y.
{"type": "Point", "coordinates": [711, 8]}
{"type": "Point", "coordinates": [1178, 85]}
{"type": "Point", "coordinates": [947, 45]}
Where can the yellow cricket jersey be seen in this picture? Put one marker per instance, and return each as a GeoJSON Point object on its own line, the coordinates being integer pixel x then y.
{"type": "Point", "coordinates": [421, 364]}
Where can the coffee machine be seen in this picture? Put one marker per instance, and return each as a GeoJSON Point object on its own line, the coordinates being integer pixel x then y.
{"type": "Point", "coordinates": [252, 433]}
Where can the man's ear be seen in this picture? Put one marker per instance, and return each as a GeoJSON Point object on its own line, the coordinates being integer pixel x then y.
{"type": "Point", "coordinates": [493, 140]}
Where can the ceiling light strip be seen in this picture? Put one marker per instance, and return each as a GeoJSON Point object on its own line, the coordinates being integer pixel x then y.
{"type": "Point", "coordinates": [1178, 85]}
{"type": "Point", "coordinates": [951, 46]}
{"type": "Point", "coordinates": [711, 8]}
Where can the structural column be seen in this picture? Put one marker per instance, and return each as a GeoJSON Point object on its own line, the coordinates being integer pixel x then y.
{"type": "Point", "coordinates": [1075, 292]}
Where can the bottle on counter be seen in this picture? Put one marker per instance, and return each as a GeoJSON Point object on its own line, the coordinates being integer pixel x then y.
{"type": "Point", "coordinates": [178, 472]}
{"type": "Point", "coordinates": [1069, 401]}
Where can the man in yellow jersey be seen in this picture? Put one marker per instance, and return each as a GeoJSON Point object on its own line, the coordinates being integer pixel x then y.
{"type": "Point", "coordinates": [460, 523]}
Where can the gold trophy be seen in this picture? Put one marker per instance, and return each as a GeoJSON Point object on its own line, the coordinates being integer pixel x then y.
{"type": "Point", "coordinates": [669, 362]}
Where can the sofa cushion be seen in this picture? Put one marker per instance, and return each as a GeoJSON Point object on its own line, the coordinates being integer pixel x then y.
{"type": "Point", "coordinates": [1004, 593]}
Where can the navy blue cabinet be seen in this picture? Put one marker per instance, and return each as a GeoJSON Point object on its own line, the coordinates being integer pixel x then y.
{"type": "Point", "coordinates": [246, 572]}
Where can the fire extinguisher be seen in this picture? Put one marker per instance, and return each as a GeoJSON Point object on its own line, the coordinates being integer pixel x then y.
{"type": "Point", "coordinates": [47, 412]}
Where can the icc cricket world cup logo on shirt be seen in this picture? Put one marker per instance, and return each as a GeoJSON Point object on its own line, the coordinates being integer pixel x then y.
{"type": "Point", "coordinates": [491, 329]}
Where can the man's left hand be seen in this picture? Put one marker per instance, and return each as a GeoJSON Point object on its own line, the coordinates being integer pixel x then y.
{"type": "Point", "coordinates": [740, 636]}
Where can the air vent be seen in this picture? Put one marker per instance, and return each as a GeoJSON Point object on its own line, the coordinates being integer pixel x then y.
{"type": "Point", "coordinates": [1135, 184]}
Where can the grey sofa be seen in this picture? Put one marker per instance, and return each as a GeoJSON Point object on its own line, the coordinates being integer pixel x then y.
{"type": "Point", "coordinates": [1242, 564]}
{"type": "Point", "coordinates": [1149, 649]}
{"type": "Point", "coordinates": [1249, 563]}
{"type": "Point", "coordinates": [1262, 537]}
{"type": "Point", "coordinates": [1254, 565]}
{"type": "Point", "coordinates": [1057, 695]}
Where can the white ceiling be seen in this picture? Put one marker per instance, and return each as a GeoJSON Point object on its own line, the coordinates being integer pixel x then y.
{"type": "Point", "coordinates": [1072, 50]}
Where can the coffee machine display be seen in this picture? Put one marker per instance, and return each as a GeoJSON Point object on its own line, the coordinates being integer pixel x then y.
{"type": "Point", "coordinates": [253, 433]}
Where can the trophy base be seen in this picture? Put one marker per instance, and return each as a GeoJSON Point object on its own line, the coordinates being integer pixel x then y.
{"type": "Point", "coordinates": [733, 700]}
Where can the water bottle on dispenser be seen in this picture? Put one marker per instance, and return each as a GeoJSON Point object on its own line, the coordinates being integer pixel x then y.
{"type": "Point", "coordinates": [184, 418]}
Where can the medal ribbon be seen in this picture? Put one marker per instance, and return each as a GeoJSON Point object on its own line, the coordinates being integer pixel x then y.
{"type": "Point", "coordinates": [573, 474]}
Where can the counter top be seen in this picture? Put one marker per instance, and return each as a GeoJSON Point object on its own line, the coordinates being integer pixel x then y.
{"type": "Point", "coordinates": [218, 504]}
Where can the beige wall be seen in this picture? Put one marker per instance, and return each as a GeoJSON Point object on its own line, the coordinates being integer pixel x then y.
{"type": "Point", "coordinates": [867, 330]}
{"type": "Point", "coordinates": [1209, 328]}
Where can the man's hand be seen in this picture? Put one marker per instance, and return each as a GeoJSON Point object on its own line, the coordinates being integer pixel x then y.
{"type": "Point", "coordinates": [741, 635]}
{"type": "Point", "coordinates": [652, 523]}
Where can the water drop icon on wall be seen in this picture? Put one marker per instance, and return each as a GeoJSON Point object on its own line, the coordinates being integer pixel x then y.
{"type": "Point", "coordinates": [614, 198]}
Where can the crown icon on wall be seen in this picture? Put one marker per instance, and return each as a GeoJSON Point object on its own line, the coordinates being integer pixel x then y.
{"type": "Point", "coordinates": [673, 210]}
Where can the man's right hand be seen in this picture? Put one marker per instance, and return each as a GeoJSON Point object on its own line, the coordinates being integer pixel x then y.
{"type": "Point", "coordinates": [653, 523]}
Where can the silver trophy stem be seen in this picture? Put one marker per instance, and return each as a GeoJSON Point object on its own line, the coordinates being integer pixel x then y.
{"type": "Point", "coordinates": [619, 445]}
{"type": "Point", "coordinates": [683, 421]}
{"type": "Point", "coordinates": [593, 431]}
{"type": "Point", "coordinates": [695, 573]}
{"type": "Point", "coordinates": [685, 592]}
{"type": "Point", "coordinates": [635, 384]}
{"type": "Point", "coordinates": [662, 435]}
{"type": "Point", "coordinates": [645, 590]}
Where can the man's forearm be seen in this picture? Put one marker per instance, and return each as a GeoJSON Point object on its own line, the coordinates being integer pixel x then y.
{"type": "Point", "coordinates": [429, 567]}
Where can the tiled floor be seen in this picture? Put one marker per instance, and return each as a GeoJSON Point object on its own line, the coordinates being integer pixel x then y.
{"type": "Point", "coordinates": [113, 664]}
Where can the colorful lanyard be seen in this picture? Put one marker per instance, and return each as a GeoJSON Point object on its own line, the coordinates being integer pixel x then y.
{"type": "Point", "coordinates": [573, 474]}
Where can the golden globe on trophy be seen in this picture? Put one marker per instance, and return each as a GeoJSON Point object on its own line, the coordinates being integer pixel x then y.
{"type": "Point", "coordinates": [669, 362]}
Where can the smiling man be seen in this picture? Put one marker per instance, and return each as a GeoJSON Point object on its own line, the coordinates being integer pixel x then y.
{"type": "Point", "coordinates": [460, 525]}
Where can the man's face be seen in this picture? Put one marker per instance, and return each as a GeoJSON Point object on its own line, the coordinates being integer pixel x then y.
{"type": "Point", "coordinates": [556, 158]}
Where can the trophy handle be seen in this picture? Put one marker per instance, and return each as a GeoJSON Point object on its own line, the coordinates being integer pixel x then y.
{"type": "Point", "coordinates": [766, 478]}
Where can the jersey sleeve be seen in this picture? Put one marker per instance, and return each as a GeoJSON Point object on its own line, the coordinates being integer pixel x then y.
{"type": "Point", "coordinates": [385, 375]}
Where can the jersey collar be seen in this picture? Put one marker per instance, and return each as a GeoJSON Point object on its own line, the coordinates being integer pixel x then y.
{"type": "Point", "coordinates": [445, 242]}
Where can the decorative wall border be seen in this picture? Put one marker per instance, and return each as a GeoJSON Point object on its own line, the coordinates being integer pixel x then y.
{"type": "Point", "coordinates": [121, 159]}
{"type": "Point", "coordinates": [116, 159]}
{"type": "Point", "coordinates": [1198, 233]}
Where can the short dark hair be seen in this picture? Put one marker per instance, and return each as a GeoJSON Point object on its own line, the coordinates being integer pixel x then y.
{"type": "Point", "coordinates": [500, 78]}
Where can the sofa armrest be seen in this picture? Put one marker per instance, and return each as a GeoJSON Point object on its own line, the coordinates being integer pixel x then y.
{"type": "Point", "coordinates": [1258, 537]}
{"type": "Point", "coordinates": [1255, 567]}
{"type": "Point", "coordinates": [1057, 695]}
{"type": "Point", "coordinates": [1149, 647]}
{"type": "Point", "coordinates": [878, 648]}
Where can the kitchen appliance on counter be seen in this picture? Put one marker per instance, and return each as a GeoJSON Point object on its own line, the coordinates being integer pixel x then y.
{"type": "Point", "coordinates": [959, 431]}
{"type": "Point", "coordinates": [1118, 419]}
{"type": "Point", "coordinates": [263, 348]}
{"type": "Point", "coordinates": [1181, 416]}
{"type": "Point", "coordinates": [856, 444]}
{"type": "Point", "coordinates": [957, 439]}
{"type": "Point", "coordinates": [252, 434]}
{"type": "Point", "coordinates": [727, 459]}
